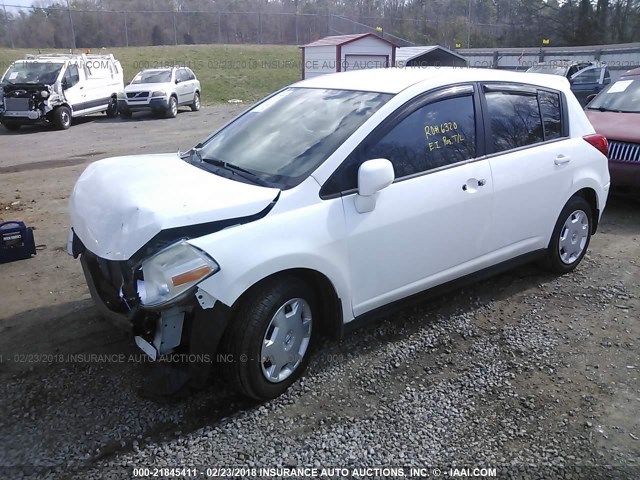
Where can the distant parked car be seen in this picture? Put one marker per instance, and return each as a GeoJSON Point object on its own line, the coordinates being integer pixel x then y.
{"type": "Point", "coordinates": [162, 91]}
{"type": "Point", "coordinates": [615, 113]}
{"type": "Point", "coordinates": [586, 78]}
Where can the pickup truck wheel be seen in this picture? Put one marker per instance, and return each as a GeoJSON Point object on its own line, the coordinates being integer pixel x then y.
{"type": "Point", "coordinates": [172, 110]}
{"type": "Point", "coordinates": [270, 338]}
{"type": "Point", "coordinates": [112, 109]}
{"type": "Point", "coordinates": [62, 117]}
{"type": "Point", "coordinates": [571, 236]}
{"type": "Point", "coordinates": [195, 106]}
{"type": "Point", "coordinates": [11, 126]}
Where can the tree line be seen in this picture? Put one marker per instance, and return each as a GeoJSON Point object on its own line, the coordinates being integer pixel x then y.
{"type": "Point", "coordinates": [461, 23]}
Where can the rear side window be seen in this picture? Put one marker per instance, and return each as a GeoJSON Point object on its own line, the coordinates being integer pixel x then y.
{"type": "Point", "coordinates": [587, 76]}
{"type": "Point", "coordinates": [551, 114]}
{"type": "Point", "coordinates": [515, 120]}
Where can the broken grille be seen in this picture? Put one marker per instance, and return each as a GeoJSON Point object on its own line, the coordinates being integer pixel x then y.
{"type": "Point", "coordinates": [17, 104]}
{"type": "Point", "coordinates": [624, 151]}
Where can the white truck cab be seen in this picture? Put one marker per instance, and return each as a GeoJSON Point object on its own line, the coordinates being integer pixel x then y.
{"type": "Point", "coordinates": [54, 88]}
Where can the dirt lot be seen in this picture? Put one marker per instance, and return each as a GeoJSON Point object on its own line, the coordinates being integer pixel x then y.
{"type": "Point", "coordinates": [526, 369]}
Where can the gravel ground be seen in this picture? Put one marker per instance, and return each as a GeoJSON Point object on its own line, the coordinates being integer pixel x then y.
{"type": "Point", "coordinates": [533, 374]}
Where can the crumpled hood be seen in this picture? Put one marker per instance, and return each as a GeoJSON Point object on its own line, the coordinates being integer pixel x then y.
{"type": "Point", "coordinates": [119, 204]}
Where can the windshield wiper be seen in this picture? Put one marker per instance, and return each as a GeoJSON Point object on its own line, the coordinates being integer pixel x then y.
{"type": "Point", "coordinates": [236, 170]}
{"type": "Point", "coordinates": [602, 109]}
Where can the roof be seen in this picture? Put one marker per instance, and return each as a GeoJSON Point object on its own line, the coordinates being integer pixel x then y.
{"type": "Point", "coordinates": [406, 54]}
{"type": "Point", "coordinates": [342, 39]}
{"type": "Point", "coordinates": [394, 80]}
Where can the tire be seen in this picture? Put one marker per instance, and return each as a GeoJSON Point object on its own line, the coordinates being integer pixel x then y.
{"type": "Point", "coordinates": [62, 117]}
{"type": "Point", "coordinates": [172, 110]}
{"type": "Point", "coordinates": [195, 106]}
{"type": "Point", "coordinates": [261, 372]}
{"type": "Point", "coordinates": [112, 109]}
{"type": "Point", "coordinates": [11, 126]}
{"type": "Point", "coordinates": [571, 236]}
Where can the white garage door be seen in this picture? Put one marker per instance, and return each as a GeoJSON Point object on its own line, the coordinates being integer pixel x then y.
{"type": "Point", "coordinates": [361, 62]}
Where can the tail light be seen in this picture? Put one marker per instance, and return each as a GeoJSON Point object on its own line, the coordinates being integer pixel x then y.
{"type": "Point", "coordinates": [599, 142]}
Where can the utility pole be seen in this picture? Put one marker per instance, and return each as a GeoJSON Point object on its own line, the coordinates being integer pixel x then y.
{"type": "Point", "coordinates": [73, 33]}
{"type": "Point", "coordinates": [9, 27]}
{"type": "Point", "coordinates": [469, 26]}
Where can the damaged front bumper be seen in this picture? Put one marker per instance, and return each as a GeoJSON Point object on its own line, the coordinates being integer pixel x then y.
{"type": "Point", "coordinates": [118, 289]}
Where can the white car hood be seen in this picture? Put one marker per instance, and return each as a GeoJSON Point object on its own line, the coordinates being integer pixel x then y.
{"type": "Point", "coordinates": [147, 87]}
{"type": "Point", "coordinates": [119, 204]}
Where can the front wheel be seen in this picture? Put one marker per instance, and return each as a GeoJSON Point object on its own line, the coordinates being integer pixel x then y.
{"type": "Point", "coordinates": [571, 236]}
{"type": "Point", "coordinates": [270, 338]}
{"type": "Point", "coordinates": [62, 117]}
{"type": "Point", "coordinates": [172, 110]}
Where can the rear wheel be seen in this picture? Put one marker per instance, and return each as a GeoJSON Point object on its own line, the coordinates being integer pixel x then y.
{"type": "Point", "coordinates": [62, 117]}
{"type": "Point", "coordinates": [172, 110]}
{"type": "Point", "coordinates": [571, 236]}
{"type": "Point", "coordinates": [270, 338]}
{"type": "Point", "coordinates": [195, 106]}
{"type": "Point", "coordinates": [112, 109]}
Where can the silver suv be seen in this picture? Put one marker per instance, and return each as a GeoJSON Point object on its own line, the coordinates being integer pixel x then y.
{"type": "Point", "coordinates": [162, 91]}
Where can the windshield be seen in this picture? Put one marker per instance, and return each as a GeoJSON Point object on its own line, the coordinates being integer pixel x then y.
{"type": "Point", "coordinates": [621, 96]}
{"type": "Point", "coordinates": [550, 69]}
{"type": "Point", "coordinates": [153, 76]}
{"type": "Point", "coordinates": [284, 138]}
{"type": "Point", "coordinates": [33, 72]}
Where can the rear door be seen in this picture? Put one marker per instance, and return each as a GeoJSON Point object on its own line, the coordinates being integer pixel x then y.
{"type": "Point", "coordinates": [531, 163]}
{"type": "Point", "coordinates": [588, 81]}
{"type": "Point", "coordinates": [184, 87]}
{"type": "Point", "coordinates": [432, 224]}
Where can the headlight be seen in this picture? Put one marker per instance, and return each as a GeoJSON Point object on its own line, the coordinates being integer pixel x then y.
{"type": "Point", "coordinates": [159, 93]}
{"type": "Point", "coordinates": [44, 94]}
{"type": "Point", "coordinates": [172, 272]}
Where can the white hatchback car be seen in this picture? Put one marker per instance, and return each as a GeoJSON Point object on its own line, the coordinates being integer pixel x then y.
{"type": "Point", "coordinates": [162, 91]}
{"type": "Point", "coordinates": [331, 199]}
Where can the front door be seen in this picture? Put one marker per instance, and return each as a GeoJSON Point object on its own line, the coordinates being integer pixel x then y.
{"type": "Point", "coordinates": [431, 225]}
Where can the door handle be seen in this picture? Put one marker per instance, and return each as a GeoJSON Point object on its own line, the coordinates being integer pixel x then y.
{"type": "Point", "coordinates": [562, 160]}
{"type": "Point", "coordinates": [473, 185]}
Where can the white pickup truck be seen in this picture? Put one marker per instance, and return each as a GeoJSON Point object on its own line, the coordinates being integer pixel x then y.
{"type": "Point", "coordinates": [54, 88]}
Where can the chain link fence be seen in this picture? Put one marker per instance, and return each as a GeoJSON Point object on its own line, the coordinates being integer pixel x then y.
{"type": "Point", "coordinates": [58, 27]}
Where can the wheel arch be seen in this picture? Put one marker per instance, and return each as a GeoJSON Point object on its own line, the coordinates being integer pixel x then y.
{"type": "Point", "coordinates": [590, 195]}
{"type": "Point", "coordinates": [329, 302]}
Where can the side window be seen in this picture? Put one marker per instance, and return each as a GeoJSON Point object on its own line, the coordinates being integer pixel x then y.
{"type": "Point", "coordinates": [71, 76]}
{"type": "Point", "coordinates": [181, 75]}
{"type": "Point", "coordinates": [587, 76]}
{"type": "Point", "coordinates": [551, 114]}
{"type": "Point", "coordinates": [190, 74]}
{"type": "Point", "coordinates": [437, 134]}
{"type": "Point", "coordinates": [515, 120]}
{"type": "Point", "coordinates": [607, 76]}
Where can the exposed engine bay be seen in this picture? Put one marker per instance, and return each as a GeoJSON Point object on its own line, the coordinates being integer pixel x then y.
{"type": "Point", "coordinates": [33, 101]}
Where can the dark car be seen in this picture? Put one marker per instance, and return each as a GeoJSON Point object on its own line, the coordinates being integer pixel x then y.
{"type": "Point", "coordinates": [615, 113]}
{"type": "Point", "coordinates": [586, 78]}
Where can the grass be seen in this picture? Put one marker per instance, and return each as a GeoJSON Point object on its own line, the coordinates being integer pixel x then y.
{"type": "Point", "coordinates": [245, 72]}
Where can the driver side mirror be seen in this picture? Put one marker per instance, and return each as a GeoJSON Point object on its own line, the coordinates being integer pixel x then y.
{"type": "Point", "coordinates": [177, 81]}
{"type": "Point", "coordinates": [373, 176]}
